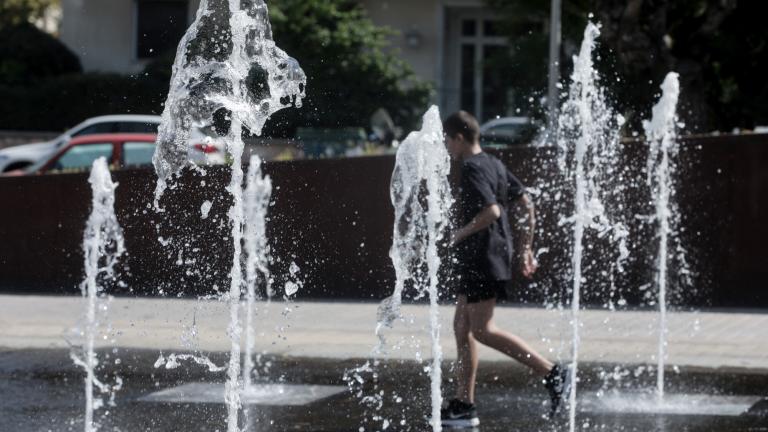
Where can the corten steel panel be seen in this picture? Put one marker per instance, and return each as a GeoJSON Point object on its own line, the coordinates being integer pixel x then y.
{"type": "Point", "coordinates": [333, 218]}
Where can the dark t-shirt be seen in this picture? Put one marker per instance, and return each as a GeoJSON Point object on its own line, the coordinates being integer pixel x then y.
{"type": "Point", "coordinates": [486, 255]}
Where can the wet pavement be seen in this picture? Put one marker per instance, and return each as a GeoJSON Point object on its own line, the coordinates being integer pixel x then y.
{"type": "Point", "coordinates": [43, 391]}
{"type": "Point", "coordinates": [342, 330]}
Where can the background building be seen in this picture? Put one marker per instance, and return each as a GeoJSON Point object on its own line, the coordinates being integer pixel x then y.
{"type": "Point", "coordinates": [447, 42]}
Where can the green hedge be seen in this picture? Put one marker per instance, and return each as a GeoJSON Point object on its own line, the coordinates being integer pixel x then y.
{"type": "Point", "coordinates": [352, 72]}
{"type": "Point", "coordinates": [61, 102]}
{"type": "Point", "coordinates": [28, 54]}
{"type": "Point", "coordinates": [42, 87]}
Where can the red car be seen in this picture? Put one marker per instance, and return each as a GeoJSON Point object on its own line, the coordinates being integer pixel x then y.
{"type": "Point", "coordinates": [120, 150]}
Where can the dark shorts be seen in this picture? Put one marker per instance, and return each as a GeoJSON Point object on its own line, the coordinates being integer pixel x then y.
{"type": "Point", "coordinates": [482, 290]}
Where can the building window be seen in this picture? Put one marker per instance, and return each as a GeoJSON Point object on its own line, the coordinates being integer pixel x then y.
{"type": "Point", "coordinates": [469, 28]}
{"type": "Point", "coordinates": [160, 26]}
{"type": "Point", "coordinates": [483, 89]}
{"type": "Point", "coordinates": [480, 70]}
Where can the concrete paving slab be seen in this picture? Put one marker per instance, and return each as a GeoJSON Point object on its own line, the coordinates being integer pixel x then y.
{"type": "Point", "coordinates": [346, 330]}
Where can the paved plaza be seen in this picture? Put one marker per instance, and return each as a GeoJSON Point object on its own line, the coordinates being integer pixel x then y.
{"type": "Point", "coordinates": [346, 330]}
{"type": "Point", "coordinates": [716, 380]}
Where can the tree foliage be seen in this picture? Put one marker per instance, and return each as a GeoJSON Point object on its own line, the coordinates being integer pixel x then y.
{"type": "Point", "coordinates": [58, 103]}
{"type": "Point", "coordinates": [13, 12]}
{"type": "Point", "coordinates": [28, 54]}
{"type": "Point", "coordinates": [351, 70]}
{"type": "Point", "coordinates": [719, 47]}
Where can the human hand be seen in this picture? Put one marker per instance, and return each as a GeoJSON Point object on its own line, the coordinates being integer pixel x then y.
{"type": "Point", "coordinates": [455, 238]}
{"type": "Point", "coordinates": [528, 263]}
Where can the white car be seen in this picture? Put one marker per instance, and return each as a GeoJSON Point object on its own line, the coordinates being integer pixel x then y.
{"type": "Point", "coordinates": [508, 130]}
{"type": "Point", "coordinates": [203, 148]}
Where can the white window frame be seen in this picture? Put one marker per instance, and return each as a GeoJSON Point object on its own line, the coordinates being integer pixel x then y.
{"type": "Point", "coordinates": [451, 14]}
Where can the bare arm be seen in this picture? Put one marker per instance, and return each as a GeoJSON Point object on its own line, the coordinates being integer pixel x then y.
{"type": "Point", "coordinates": [524, 213]}
{"type": "Point", "coordinates": [483, 220]}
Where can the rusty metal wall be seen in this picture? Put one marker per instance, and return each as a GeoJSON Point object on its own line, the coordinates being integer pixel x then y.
{"type": "Point", "coordinates": [334, 219]}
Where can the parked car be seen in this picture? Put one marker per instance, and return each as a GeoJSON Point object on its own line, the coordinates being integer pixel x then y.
{"type": "Point", "coordinates": [19, 157]}
{"type": "Point", "coordinates": [508, 131]}
{"type": "Point", "coordinates": [120, 150]}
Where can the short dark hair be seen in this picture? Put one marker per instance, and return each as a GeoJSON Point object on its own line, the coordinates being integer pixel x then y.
{"type": "Point", "coordinates": [462, 123]}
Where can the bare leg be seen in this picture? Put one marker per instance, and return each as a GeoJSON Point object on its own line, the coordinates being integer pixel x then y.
{"type": "Point", "coordinates": [485, 331]}
{"type": "Point", "coordinates": [466, 368]}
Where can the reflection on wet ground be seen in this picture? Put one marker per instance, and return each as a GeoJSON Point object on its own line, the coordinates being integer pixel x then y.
{"type": "Point", "coordinates": [42, 391]}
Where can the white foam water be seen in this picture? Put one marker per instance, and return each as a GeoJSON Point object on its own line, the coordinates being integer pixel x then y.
{"type": "Point", "coordinates": [102, 245]}
{"type": "Point", "coordinates": [258, 192]}
{"type": "Point", "coordinates": [226, 60]}
{"type": "Point", "coordinates": [634, 402]}
{"type": "Point", "coordinates": [173, 361]}
{"type": "Point", "coordinates": [587, 138]}
{"type": "Point", "coordinates": [661, 133]}
{"type": "Point", "coordinates": [421, 197]}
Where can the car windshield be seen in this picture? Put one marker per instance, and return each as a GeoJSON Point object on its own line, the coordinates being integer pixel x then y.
{"type": "Point", "coordinates": [98, 128]}
{"type": "Point", "coordinates": [119, 127]}
{"type": "Point", "coordinates": [509, 133]}
{"type": "Point", "coordinates": [106, 127]}
{"type": "Point", "coordinates": [80, 157]}
{"type": "Point", "coordinates": [138, 154]}
{"type": "Point", "coordinates": [508, 130]}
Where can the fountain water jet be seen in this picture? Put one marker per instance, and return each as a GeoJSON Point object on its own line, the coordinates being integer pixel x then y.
{"type": "Point", "coordinates": [226, 60]}
{"type": "Point", "coordinates": [587, 139]}
{"type": "Point", "coordinates": [660, 132]}
{"type": "Point", "coordinates": [257, 194]}
{"type": "Point", "coordinates": [421, 196]}
{"type": "Point", "coordinates": [103, 245]}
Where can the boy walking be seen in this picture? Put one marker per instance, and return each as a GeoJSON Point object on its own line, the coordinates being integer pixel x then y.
{"type": "Point", "coordinates": [484, 250]}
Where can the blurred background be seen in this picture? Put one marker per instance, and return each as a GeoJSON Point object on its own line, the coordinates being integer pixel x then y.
{"type": "Point", "coordinates": [86, 79]}
{"type": "Point", "coordinates": [373, 66]}
{"type": "Point", "coordinates": [82, 79]}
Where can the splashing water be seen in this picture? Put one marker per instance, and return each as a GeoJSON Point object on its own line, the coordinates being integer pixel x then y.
{"type": "Point", "coordinates": [226, 60]}
{"type": "Point", "coordinates": [103, 245]}
{"type": "Point", "coordinates": [172, 361]}
{"type": "Point", "coordinates": [294, 284]}
{"type": "Point", "coordinates": [189, 340]}
{"type": "Point", "coordinates": [421, 196]}
{"type": "Point", "coordinates": [258, 191]}
{"type": "Point", "coordinates": [587, 138]}
{"type": "Point", "coordinates": [661, 134]}
{"type": "Point", "coordinates": [205, 209]}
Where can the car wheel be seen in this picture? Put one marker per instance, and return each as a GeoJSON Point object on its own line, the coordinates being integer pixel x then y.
{"type": "Point", "coordinates": [16, 166]}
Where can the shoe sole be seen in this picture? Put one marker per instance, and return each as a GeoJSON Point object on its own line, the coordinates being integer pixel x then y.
{"type": "Point", "coordinates": [565, 396]}
{"type": "Point", "coordinates": [567, 387]}
{"type": "Point", "coordinates": [461, 423]}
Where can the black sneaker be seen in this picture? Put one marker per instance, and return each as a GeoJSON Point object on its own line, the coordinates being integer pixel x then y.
{"type": "Point", "coordinates": [558, 382]}
{"type": "Point", "coordinates": [459, 415]}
